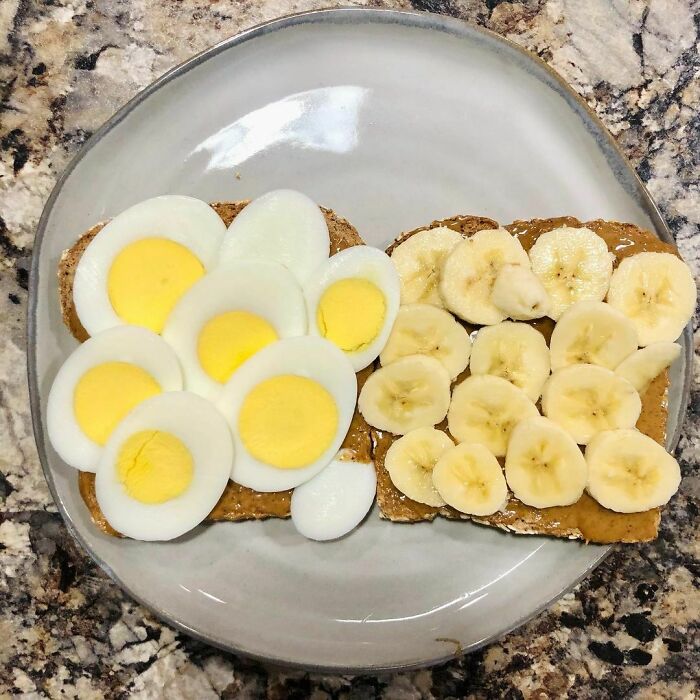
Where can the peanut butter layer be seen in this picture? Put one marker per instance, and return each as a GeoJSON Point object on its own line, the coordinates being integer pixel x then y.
{"type": "Point", "coordinates": [585, 519]}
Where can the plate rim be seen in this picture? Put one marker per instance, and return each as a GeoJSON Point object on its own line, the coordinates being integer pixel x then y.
{"type": "Point", "coordinates": [344, 15]}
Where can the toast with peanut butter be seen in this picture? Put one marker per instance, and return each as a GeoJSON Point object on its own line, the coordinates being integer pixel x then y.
{"type": "Point", "coordinates": [237, 502]}
{"type": "Point", "coordinates": [585, 519]}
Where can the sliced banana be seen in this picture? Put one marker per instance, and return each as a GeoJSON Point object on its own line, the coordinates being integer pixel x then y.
{"type": "Point", "coordinates": [469, 478]}
{"type": "Point", "coordinates": [410, 462]}
{"type": "Point", "coordinates": [519, 294]}
{"type": "Point", "coordinates": [419, 260]}
{"type": "Point", "coordinates": [657, 292]}
{"type": "Point", "coordinates": [544, 466]}
{"type": "Point", "coordinates": [573, 264]}
{"type": "Point", "coordinates": [470, 271]}
{"type": "Point", "coordinates": [421, 329]}
{"type": "Point", "coordinates": [413, 392]}
{"type": "Point", "coordinates": [643, 366]}
{"type": "Point", "coordinates": [592, 332]}
{"type": "Point", "coordinates": [514, 351]}
{"type": "Point", "coordinates": [485, 409]}
{"type": "Point", "coordinates": [587, 399]}
{"type": "Point", "coordinates": [629, 472]}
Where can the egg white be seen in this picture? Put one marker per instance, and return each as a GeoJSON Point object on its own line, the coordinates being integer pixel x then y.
{"type": "Point", "coordinates": [203, 430]}
{"type": "Point", "coordinates": [283, 225]}
{"type": "Point", "coordinates": [367, 263]}
{"type": "Point", "coordinates": [185, 220]}
{"type": "Point", "coordinates": [261, 287]}
{"type": "Point", "coordinates": [133, 344]}
{"type": "Point", "coordinates": [313, 358]}
{"type": "Point", "coordinates": [336, 500]}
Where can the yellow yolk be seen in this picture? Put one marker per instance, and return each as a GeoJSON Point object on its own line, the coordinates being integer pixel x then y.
{"type": "Point", "coordinates": [229, 339]}
{"type": "Point", "coordinates": [351, 313]}
{"type": "Point", "coordinates": [154, 466]}
{"type": "Point", "coordinates": [148, 277]}
{"type": "Point", "coordinates": [106, 393]}
{"type": "Point", "coordinates": [288, 421]}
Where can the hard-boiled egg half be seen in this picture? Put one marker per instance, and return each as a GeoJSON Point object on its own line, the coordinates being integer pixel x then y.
{"type": "Point", "coordinates": [139, 265]}
{"type": "Point", "coordinates": [228, 316]}
{"type": "Point", "coordinates": [165, 467]}
{"type": "Point", "coordinates": [100, 383]}
{"type": "Point", "coordinates": [352, 301]}
{"type": "Point", "coordinates": [284, 226]}
{"type": "Point", "coordinates": [289, 407]}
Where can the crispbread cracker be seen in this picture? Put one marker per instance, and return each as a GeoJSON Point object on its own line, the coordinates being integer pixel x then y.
{"type": "Point", "coordinates": [585, 519]}
{"type": "Point", "coordinates": [237, 502]}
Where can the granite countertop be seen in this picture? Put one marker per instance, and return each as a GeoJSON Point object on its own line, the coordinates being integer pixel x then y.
{"type": "Point", "coordinates": [629, 630]}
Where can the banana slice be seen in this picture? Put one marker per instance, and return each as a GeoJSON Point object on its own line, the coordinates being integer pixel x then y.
{"type": "Point", "coordinates": [421, 329]}
{"type": "Point", "coordinates": [413, 392]}
{"type": "Point", "coordinates": [514, 351]}
{"type": "Point", "coordinates": [419, 260]}
{"type": "Point", "coordinates": [629, 472]}
{"type": "Point", "coordinates": [470, 271]}
{"type": "Point", "coordinates": [643, 366]}
{"type": "Point", "coordinates": [592, 332]}
{"type": "Point", "coordinates": [544, 466]}
{"type": "Point", "coordinates": [485, 409]}
{"type": "Point", "coordinates": [519, 294]}
{"type": "Point", "coordinates": [410, 462]}
{"type": "Point", "coordinates": [587, 399]}
{"type": "Point", "coordinates": [573, 264]}
{"type": "Point", "coordinates": [469, 478]}
{"type": "Point", "coordinates": [656, 291]}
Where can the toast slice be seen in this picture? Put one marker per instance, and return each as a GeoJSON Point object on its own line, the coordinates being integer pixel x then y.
{"type": "Point", "coordinates": [237, 502]}
{"type": "Point", "coordinates": [586, 519]}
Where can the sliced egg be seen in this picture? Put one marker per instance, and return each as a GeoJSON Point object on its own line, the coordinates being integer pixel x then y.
{"type": "Point", "coordinates": [284, 226]}
{"type": "Point", "coordinates": [139, 265]}
{"type": "Point", "coordinates": [352, 301]}
{"type": "Point", "coordinates": [335, 501]}
{"type": "Point", "coordinates": [289, 407]}
{"type": "Point", "coordinates": [228, 316]}
{"type": "Point", "coordinates": [165, 467]}
{"type": "Point", "coordinates": [100, 383]}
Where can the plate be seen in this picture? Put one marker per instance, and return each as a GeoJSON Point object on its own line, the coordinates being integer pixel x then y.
{"type": "Point", "coordinates": [393, 120]}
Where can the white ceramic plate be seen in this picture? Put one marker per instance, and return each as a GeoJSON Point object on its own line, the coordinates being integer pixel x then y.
{"type": "Point", "coordinates": [393, 120]}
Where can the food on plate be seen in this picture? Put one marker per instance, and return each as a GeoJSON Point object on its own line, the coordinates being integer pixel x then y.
{"type": "Point", "coordinates": [644, 365]}
{"type": "Point", "coordinates": [137, 267]}
{"type": "Point", "coordinates": [485, 409]}
{"type": "Point", "coordinates": [469, 478]}
{"type": "Point", "coordinates": [335, 501]}
{"type": "Point", "coordinates": [519, 294]}
{"type": "Point", "coordinates": [410, 393]}
{"type": "Point", "coordinates": [629, 472]}
{"type": "Point", "coordinates": [470, 270]}
{"type": "Point", "coordinates": [544, 466]}
{"type": "Point", "coordinates": [587, 399]}
{"type": "Point", "coordinates": [513, 351]}
{"type": "Point", "coordinates": [422, 329]}
{"type": "Point", "coordinates": [592, 332]}
{"type": "Point", "coordinates": [657, 292]}
{"type": "Point", "coordinates": [573, 264]}
{"type": "Point", "coordinates": [230, 314]}
{"type": "Point", "coordinates": [164, 467]}
{"type": "Point", "coordinates": [410, 462]}
{"type": "Point", "coordinates": [100, 382]}
{"type": "Point", "coordinates": [352, 301]}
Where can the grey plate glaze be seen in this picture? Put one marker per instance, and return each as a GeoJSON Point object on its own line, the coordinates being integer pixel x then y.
{"type": "Point", "coordinates": [392, 119]}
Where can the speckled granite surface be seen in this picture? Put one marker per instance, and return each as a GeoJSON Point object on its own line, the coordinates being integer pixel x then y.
{"type": "Point", "coordinates": [630, 630]}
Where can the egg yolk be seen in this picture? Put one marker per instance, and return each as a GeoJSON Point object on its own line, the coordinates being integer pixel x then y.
{"type": "Point", "coordinates": [146, 279]}
{"type": "Point", "coordinates": [288, 421]}
{"type": "Point", "coordinates": [351, 313]}
{"type": "Point", "coordinates": [154, 466]}
{"type": "Point", "coordinates": [229, 339]}
{"type": "Point", "coordinates": [106, 393]}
